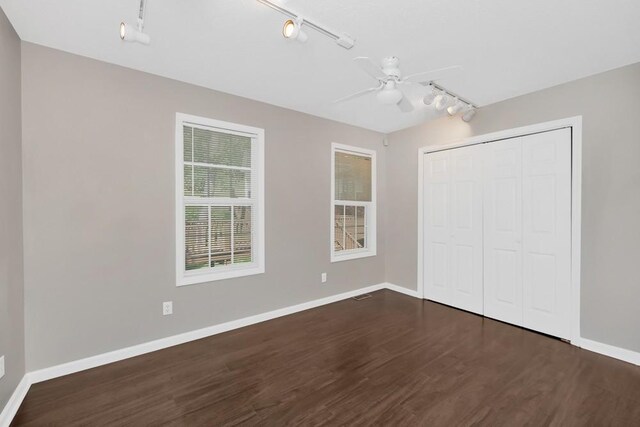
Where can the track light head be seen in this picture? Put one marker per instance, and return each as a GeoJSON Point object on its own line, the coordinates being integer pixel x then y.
{"type": "Point", "coordinates": [288, 28]}
{"type": "Point", "coordinates": [441, 101]}
{"type": "Point", "coordinates": [130, 33]}
{"type": "Point", "coordinates": [430, 97]}
{"type": "Point", "coordinates": [293, 30]}
{"type": "Point", "coordinates": [469, 113]}
{"type": "Point", "coordinates": [455, 108]}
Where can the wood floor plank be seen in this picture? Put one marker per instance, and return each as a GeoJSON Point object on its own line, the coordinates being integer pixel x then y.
{"type": "Point", "coordinates": [387, 360]}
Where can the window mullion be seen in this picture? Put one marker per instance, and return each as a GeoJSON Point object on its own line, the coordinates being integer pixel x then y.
{"type": "Point", "coordinates": [352, 202]}
{"type": "Point", "coordinates": [213, 165]}
{"type": "Point", "coordinates": [344, 228]}
{"type": "Point", "coordinates": [366, 228]}
{"type": "Point", "coordinates": [233, 225]}
{"type": "Point", "coordinates": [193, 173]}
{"type": "Point", "coordinates": [209, 236]}
{"type": "Point", "coordinates": [218, 201]}
{"type": "Point", "coordinates": [355, 236]}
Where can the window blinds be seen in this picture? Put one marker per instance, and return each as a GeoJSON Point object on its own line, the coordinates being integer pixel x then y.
{"type": "Point", "coordinates": [216, 164]}
{"type": "Point", "coordinates": [353, 177]}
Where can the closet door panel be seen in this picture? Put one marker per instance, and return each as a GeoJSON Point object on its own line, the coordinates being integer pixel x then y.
{"type": "Point", "coordinates": [437, 237]}
{"type": "Point", "coordinates": [466, 228]}
{"type": "Point", "coordinates": [547, 232]}
{"type": "Point", "coordinates": [503, 230]}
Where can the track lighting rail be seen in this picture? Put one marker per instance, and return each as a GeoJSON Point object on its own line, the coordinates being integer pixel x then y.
{"type": "Point", "coordinates": [141, 12]}
{"type": "Point", "coordinates": [344, 40]}
{"type": "Point", "coordinates": [451, 94]}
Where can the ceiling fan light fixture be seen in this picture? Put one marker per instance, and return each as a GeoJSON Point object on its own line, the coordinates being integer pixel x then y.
{"type": "Point", "coordinates": [389, 96]}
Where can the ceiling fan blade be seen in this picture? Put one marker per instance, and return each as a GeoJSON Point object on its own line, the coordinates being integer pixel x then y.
{"type": "Point", "coordinates": [429, 76]}
{"type": "Point", "coordinates": [405, 105]}
{"type": "Point", "coordinates": [370, 67]}
{"type": "Point", "coordinates": [357, 94]}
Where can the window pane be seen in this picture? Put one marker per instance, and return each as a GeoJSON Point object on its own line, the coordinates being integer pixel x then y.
{"type": "Point", "coordinates": [187, 133]}
{"type": "Point", "coordinates": [240, 184]}
{"type": "Point", "coordinates": [219, 148]}
{"type": "Point", "coordinates": [352, 177]}
{"type": "Point", "coordinates": [338, 228]}
{"type": "Point", "coordinates": [350, 227]}
{"type": "Point", "coordinates": [188, 180]}
{"type": "Point", "coordinates": [361, 227]}
{"type": "Point", "coordinates": [220, 235]}
{"type": "Point", "coordinates": [240, 151]}
{"type": "Point", "coordinates": [242, 234]}
{"type": "Point", "coordinates": [203, 178]}
{"type": "Point", "coordinates": [196, 233]}
{"type": "Point", "coordinates": [216, 182]}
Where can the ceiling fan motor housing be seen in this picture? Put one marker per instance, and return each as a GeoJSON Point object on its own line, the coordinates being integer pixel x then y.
{"type": "Point", "coordinates": [391, 67]}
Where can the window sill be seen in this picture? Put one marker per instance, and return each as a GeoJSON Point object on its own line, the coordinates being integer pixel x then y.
{"type": "Point", "coordinates": [352, 255]}
{"type": "Point", "coordinates": [194, 279]}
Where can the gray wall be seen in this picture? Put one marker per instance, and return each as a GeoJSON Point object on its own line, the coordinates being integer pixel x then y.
{"type": "Point", "coordinates": [98, 148]}
{"type": "Point", "coordinates": [11, 278]}
{"type": "Point", "coordinates": [610, 106]}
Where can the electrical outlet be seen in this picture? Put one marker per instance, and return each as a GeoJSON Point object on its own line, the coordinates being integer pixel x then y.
{"type": "Point", "coordinates": [323, 277]}
{"type": "Point", "coordinates": [167, 308]}
{"type": "Point", "coordinates": [1, 366]}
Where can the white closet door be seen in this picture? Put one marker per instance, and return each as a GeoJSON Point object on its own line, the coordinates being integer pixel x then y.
{"type": "Point", "coordinates": [503, 231]}
{"type": "Point", "coordinates": [466, 228]}
{"type": "Point", "coordinates": [436, 230]}
{"type": "Point", "coordinates": [453, 228]}
{"type": "Point", "coordinates": [547, 232]}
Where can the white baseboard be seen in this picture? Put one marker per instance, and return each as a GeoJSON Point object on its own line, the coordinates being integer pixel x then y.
{"type": "Point", "coordinates": [12, 406]}
{"type": "Point", "coordinates": [402, 290]}
{"type": "Point", "coordinates": [137, 350]}
{"type": "Point", "coordinates": [610, 350]}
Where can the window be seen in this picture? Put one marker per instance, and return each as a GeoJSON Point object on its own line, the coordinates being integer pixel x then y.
{"type": "Point", "coordinates": [220, 202]}
{"type": "Point", "coordinates": [353, 207]}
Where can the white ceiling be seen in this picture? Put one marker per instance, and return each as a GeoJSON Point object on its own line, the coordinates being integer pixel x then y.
{"type": "Point", "coordinates": [505, 47]}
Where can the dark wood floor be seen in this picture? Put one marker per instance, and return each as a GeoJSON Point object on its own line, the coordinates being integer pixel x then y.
{"type": "Point", "coordinates": [387, 360]}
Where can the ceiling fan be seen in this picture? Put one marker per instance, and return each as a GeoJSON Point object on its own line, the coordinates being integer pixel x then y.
{"type": "Point", "coordinates": [390, 79]}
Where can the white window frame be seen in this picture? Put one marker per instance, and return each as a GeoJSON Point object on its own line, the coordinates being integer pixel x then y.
{"type": "Point", "coordinates": [257, 266]}
{"type": "Point", "coordinates": [370, 213]}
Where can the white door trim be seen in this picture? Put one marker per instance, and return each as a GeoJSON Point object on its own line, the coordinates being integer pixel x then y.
{"type": "Point", "coordinates": [575, 123]}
